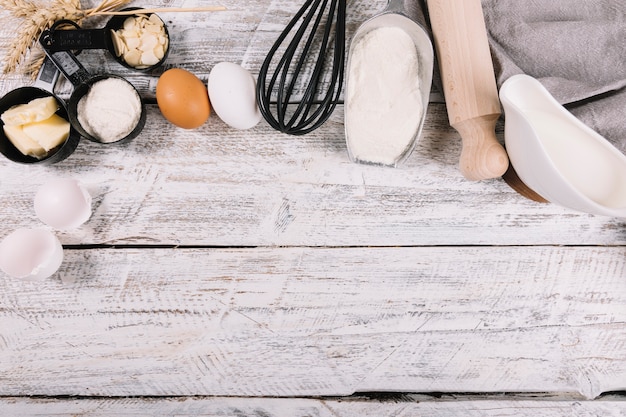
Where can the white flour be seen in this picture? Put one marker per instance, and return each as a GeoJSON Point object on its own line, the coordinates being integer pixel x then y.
{"type": "Point", "coordinates": [384, 102]}
{"type": "Point", "coordinates": [110, 110]}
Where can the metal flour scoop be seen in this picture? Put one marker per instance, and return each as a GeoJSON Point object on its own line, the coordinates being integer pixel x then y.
{"type": "Point", "coordinates": [373, 110]}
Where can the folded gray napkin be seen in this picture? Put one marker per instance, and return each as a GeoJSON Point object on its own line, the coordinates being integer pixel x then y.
{"type": "Point", "coordinates": [575, 48]}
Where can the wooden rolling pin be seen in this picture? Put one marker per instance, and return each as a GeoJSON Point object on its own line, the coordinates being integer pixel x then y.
{"type": "Point", "coordinates": [469, 84]}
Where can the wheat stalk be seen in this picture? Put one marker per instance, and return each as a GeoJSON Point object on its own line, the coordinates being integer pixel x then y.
{"type": "Point", "coordinates": [165, 10]}
{"type": "Point", "coordinates": [37, 17]}
{"type": "Point", "coordinates": [18, 8]}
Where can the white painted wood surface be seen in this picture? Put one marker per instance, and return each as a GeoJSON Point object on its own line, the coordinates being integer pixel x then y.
{"type": "Point", "coordinates": [252, 264]}
{"type": "Point", "coordinates": [263, 407]}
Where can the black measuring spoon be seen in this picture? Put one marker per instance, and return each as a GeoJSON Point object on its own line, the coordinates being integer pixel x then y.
{"type": "Point", "coordinates": [83, 82]}
{"type": "Point", "coordinates": [128, 51]}
{"type": "Point", "coordinates": [42, 87]}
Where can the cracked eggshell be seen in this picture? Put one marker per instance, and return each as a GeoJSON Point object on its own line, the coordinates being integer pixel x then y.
{"type": "Point", "coordinates": [232, 93]}
{"type": "Point", "coordinates": [30, 254]}
{"type": "Point", "coordinates": [63, 203]}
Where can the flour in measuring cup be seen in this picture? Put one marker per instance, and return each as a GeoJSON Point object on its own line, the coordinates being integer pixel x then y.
{"type": "Point", "coordinates": [384, 100]}
{"type": "Point", "coordinates": [110, 110]}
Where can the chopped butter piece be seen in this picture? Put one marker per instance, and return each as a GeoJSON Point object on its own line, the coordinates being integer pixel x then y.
{"type": "Point", "coordinates": [48, 133]}
{"type": "Point", "coordinates": [23, 142]}
{"type": "Point", "coordinates": [35, 110]}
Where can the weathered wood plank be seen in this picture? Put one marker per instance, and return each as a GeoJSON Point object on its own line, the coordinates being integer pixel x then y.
{"type": "Point", "coordinates": [308, 322]}
{"type": "Point", "coordinates": [267, 407]}
{"type": "Point", "coordinates": [217, 186]}
{"type": "Point", "coordinates": [422, 281]}
{"type": "Point", "coordinates": [278, 189]}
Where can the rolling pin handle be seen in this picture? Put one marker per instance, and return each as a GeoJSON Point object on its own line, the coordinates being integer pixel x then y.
{"type": "Point", "coordinates": [482, 156]}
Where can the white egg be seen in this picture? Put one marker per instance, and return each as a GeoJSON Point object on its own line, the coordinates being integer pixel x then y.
{"type": "Point", "coordinates": [233, 95]}
{"type": "Point", "coordinates": [63, 203]}
{"type": "Point", "coordinates": [30, 254]}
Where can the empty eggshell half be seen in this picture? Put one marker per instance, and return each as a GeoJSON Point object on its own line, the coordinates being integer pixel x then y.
{"type": "Point", "coordinates": [63, 203]}
{"type": "Point", "coordinates": [30, 254]}
{"type": "Point", "coordinates": [232, 93]}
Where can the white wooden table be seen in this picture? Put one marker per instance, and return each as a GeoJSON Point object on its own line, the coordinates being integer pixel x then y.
{"type": "Point", "coordinates": [229, 272]}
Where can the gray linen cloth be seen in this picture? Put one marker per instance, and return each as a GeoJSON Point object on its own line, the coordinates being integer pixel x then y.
{"type": "Point", "coordinates": [575, 48]}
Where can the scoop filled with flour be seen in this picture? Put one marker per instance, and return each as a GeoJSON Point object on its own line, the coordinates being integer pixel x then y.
{"type": "Point", "coordinates": [387, 90]}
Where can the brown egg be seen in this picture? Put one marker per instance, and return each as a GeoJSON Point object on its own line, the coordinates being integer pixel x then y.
{"type": "Point", "coordinates": [183, 98]}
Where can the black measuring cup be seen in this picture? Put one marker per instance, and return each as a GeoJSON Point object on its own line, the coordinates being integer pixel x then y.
{"type": "Point", "coordinates": [103, 38]}
{"type": "Point", "coordinates": [42, 87]}
{"type": "Point", "coordinates": [83, 81]}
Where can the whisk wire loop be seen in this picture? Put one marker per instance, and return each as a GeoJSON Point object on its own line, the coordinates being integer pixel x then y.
{"type": "Point", "coordinates": [304, 108]}
{"type": "Point", "coordinates": [285, 93]}
{"type": "Point", "coordinates": [332, 95]}
{"type": "Point", "coordinates": [315, 106]}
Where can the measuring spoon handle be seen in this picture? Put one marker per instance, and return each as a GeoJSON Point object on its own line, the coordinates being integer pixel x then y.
{"type": "Point", "coordinates": [69, 40]}
{"type": "Point", "coordinates": [47, 76]}
{"type": "Point", "coordinates": [67, 63]}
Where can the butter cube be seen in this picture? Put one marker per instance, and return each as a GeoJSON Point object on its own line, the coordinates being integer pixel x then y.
{"type": "Point", "coordinates": [34, 111]}
{"type": "Point", "coordinates": [48, 133]}
{"type": "Point", "coordinates": [23, 142]}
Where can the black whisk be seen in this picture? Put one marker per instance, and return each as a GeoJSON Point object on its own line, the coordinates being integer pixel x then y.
{"type": "Point", "coordinates": [317, 102]}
